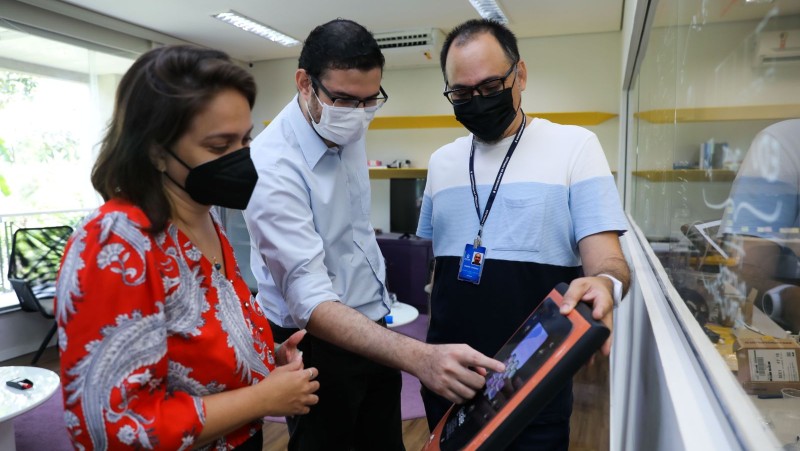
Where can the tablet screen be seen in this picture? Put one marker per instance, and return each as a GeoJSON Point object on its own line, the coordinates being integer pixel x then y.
{"type": "Point", "coordinates": [524, 354]}
{"type": "Point", "coordinates": [524, 350]}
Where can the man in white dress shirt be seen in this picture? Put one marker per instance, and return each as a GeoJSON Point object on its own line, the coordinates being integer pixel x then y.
{"type": "Point", "coordinates": [317, 262]}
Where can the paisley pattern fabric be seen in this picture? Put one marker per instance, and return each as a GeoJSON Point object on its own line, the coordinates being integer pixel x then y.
{"type": "Point", "coordinates": [147, 327]}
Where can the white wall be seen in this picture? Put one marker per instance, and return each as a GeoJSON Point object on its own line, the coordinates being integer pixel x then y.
{"type": "Point", "coordinates": [22, 333]}
{"type": "Point", "coordinates": [565, 74]}
{"type": "Point", "coordinates": [275, 80]}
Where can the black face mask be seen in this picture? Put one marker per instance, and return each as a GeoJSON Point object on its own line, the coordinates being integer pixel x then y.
{"type": "Point", "coordinates": [228, 181]}
{"type": "Point", "coordinates": [487, 117]}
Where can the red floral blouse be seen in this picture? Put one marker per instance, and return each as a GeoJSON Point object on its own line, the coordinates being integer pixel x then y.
{"type": "Point", "coordinates": [147, 327]}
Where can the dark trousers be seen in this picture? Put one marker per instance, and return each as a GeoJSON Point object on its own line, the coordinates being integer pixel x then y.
{"type": "Point", "coordinates": [359, 401]}
{"type": "Point", "coordinates": [548, 431]}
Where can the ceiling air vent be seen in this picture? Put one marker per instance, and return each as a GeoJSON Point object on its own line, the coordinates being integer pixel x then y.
{"type": "Point", "coordinates": [411, 48]}
{"type": "Point", "coordinates": [778, 47]}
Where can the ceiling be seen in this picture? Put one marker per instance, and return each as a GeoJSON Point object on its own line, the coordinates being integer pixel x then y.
{"type": "Point", "coordinates": [24, 52]}
{"type": "Point", "coordinates": [191, 20]}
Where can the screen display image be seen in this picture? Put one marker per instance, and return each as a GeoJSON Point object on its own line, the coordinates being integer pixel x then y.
{"type": "Point", "coordinates": [542, 355]}
{"type": "Point", "coordinates": [524, 350]}
{"type": "Point", "coordinates": [523, 355]}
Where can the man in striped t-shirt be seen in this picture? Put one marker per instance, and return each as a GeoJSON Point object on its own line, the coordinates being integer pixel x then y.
{"type": "Point", "coordinates": [514, 208]}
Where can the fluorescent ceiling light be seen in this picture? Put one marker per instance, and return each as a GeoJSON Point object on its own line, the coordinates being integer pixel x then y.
{"type": "Point", "coordinates": [248, 24]}
{"type": "Point", "coordinates": [489, 9]}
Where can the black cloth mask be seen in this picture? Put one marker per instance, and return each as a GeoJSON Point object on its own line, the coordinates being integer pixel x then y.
{"type": "Point", "coordinates": [228, 181]}
{"type": "Point", "coordinates": [487, 117]}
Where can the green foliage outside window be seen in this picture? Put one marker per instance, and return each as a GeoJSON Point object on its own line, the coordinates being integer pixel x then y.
{"type": "Point", "coordinates": [12, 85]}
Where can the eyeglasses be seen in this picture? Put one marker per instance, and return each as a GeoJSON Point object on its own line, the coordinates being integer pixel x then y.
{"type": "Point", "coordinates": [488, 88]}
{"type": "Point", "coordinates": [350, 102]}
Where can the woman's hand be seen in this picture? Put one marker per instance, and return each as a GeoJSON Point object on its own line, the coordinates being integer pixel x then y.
{"type": "Point", "coordinates": [287, 351]}
{"type": "Point", "coordinates": [289, 389]}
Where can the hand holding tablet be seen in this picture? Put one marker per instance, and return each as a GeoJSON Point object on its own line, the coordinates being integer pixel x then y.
{"type": "Point", "coordinates": [545, 352]}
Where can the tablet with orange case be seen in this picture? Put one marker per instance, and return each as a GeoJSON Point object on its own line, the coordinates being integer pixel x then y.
{"type": "Point", "coordinates": [545, 352]}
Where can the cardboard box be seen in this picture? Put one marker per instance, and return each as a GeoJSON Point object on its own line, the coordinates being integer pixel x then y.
{"type": "Point", "coordinates": [767, 364]}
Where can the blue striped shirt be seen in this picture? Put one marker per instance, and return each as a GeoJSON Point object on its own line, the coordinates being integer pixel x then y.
{"type": "Point", "coordinates": [557, 190]}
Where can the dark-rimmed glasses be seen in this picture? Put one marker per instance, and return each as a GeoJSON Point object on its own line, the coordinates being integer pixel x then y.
{"type": "Point", "coordinates": [350, 102]}
{"type": "Point", "coordinates": [488, 88]}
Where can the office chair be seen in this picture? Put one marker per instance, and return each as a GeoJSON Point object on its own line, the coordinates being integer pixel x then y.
{"type": "Point", "coordinates": [33, 268]}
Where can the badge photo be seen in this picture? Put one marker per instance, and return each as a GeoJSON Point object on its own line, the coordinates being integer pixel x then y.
{"type": "Point", "coordinates": [472, 264]}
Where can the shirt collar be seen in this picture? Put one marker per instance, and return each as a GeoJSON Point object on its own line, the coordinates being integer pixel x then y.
{"type": "Point", "coordinates": [311, 145]}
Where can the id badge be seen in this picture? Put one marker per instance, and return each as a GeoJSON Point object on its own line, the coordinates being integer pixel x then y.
{"type": "Point", "coordinates": [472, 264]}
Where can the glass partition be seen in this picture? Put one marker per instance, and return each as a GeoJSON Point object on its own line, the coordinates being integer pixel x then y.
{"type": "Point", "coordinates": [715, 182]}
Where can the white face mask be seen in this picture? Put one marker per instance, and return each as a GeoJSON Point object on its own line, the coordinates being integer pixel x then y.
{"type": "Point", "coordinates": [342, 126]}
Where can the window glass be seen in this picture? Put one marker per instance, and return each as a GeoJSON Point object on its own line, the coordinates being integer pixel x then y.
{"type": "Point", "coordinates": [715, 182]}
{"type": "Point", "coordinates": [55, 102]}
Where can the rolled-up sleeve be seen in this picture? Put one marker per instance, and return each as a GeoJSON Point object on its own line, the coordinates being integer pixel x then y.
{"type": "Point", "coordinates": [280, 221]}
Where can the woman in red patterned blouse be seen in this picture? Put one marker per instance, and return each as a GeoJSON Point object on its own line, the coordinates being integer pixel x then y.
{"type": "Point", "coordinates": [162, 345]}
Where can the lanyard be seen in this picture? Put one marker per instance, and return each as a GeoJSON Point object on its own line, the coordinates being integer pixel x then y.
{"type": "Point", "coordinates": [497, 179]}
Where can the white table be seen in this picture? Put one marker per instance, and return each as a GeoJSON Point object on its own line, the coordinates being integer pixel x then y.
{"type": "Point", "coordinates": [402, 313]}
{"type": "Point", "coordinates": [15, 402]}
